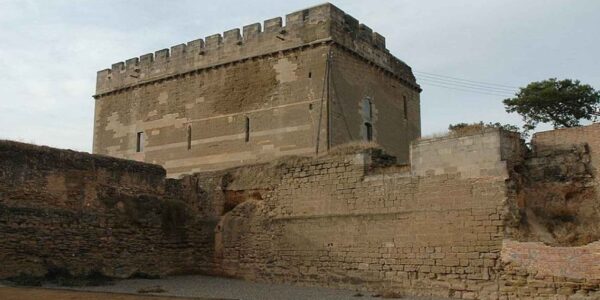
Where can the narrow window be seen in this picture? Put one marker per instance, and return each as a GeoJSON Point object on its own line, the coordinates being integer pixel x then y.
{"type": "Point", "coordinates": [367, 109]}
{"type": "Point", "coordinates": [309, 74]}
{"type": "Point", "coordinates": [139, 145]}
{"type": "Point", "coordinates": [405, 109]}
{"type": "Point", "coordinates": [305, 15]}
{"type": "Point", "coordinates": [247, 129]}
{"type": "Point", "coordinates": [189, 137]}
{"type": "Point", "coordinates": [368, 132]}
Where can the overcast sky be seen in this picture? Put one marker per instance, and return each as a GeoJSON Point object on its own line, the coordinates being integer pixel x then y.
{"type": "Point", "coordinates": [50, 51]}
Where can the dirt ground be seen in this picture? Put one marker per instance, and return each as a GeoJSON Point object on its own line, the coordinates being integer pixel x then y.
{"type": "Point", "coordinates": [10, 293]}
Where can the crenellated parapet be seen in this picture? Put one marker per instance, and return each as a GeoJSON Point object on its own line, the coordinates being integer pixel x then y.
{"type": "Point", "coordinates": [323, 24]}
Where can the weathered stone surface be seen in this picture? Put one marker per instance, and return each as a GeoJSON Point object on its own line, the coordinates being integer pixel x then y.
{"type": "Point", "coordinates": [233, 101]}
{"type": "Point", "coordinates": [89, 213]}
{"type": "Point", "coordinates": [352, 218]}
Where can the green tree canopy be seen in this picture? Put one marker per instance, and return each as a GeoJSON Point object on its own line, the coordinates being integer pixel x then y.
{"type": "Point", "coordinates": [563, 103]}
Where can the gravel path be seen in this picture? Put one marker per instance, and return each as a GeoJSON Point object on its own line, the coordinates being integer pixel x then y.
{"type": "Point", "coordinates": [225, 288]}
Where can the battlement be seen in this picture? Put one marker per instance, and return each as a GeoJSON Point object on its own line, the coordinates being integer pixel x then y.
{"type": "Point", "coordinates": [313, 26]}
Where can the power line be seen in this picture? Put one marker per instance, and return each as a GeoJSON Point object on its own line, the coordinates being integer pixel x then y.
{"type": "Point", "coordinates": [462, 85]}
{"type": "Point", "coordinates": [434, 83]}
{"type": "Point", "coordinates": [467, 80]}
{"type": "Point", "coordinates": [465, 90]}
{"type": "Point", "coordinates": [466, 84]}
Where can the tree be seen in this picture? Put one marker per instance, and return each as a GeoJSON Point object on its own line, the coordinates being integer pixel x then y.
{"type": "Point", "coordinates": [481, 126]}
{"type": "Point", "coordinates": [563, 103]}
{"type": "Point", "coordinates": [469, 128]}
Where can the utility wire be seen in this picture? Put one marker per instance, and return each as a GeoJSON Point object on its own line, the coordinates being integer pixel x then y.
{"type": "Point", "coordinates": [465, 88]}
{"type": "Point", "coordinates": [466, 84]}
{"type": "Point", "coordinates": [467, 80]}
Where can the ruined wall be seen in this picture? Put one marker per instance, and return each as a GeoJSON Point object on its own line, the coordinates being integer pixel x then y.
{"type": "Point", "coordinates": [344, 221]}
{"type": "Point", "coordinates": [353, 218]}
{"type": "Point", "coordinates": [439, 227]}
{"type": "Point", "coordinates": [553, 251]}
{"type": "Point", "coordinates": [566, 137]}
{"type": "Point", "coordinates": [194, 103]}
{"type": "Point", "coordinates": [66, 210]}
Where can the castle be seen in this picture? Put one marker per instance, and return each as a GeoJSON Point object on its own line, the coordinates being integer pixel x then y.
{"type": "Point", "coordinates": [320, 81]}
{"type": "Point", "coordinates": [469, 215]}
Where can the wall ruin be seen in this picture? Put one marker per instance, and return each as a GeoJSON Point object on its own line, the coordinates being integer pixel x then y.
{"type": "Point", "coordinates": [66, 210]}
{"type": "Point", "coordinates": [452, 223]}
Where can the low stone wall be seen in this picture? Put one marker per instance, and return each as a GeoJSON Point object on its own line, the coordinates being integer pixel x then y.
{"type": "Point", "coordinates": [348, 221]}
{"type": "Point", "coordinates": [532, 269]}
{"type": "Point", "coordinates": [481, 154]}
{"type": "Point", "coordinates": [88, 213]}
{"type": "Point", "coordinates": [345, 221]}
{"type": "Point", "coordinates": [351, 219]}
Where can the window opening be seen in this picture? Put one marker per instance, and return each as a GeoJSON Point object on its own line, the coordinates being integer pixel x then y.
{"type": "Point", "coordinates": [368, 132]}
{"type": "Point", "coordinates": [139, 146]}
{"type": "Point", "coordinates": [367, 109]}
{"type": "Point", "coordinates": [247, 129]}
{"type": "Point", "coordinates": [189, 137]}
{"type": "Point", "coordinates": [405, 109]}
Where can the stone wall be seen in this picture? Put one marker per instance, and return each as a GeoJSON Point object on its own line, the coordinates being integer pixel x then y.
{"type": "Point", "coordinates": [394, 112]}
{"type": "Point", "coordinates": [198, 122]}
{"type": "Point", "coordinates": [566, 137]}
{"type": "Point", "coordinates": [353, 218]}
{"type": "Point", "coordinates": [532, 269]}
{"type": "Point", "coordinates": [232, 99]}
{"type": "Point", "coordinates": [478, 155]}
{"type": "Point", "coordinates": [66, 210]}
{"type": "Point", "coordinates": [557, 192]}
{"type": "Point", "coordinates": [344, 220]}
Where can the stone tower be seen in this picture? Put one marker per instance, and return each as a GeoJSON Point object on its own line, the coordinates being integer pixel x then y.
{"type": "Point", "coordinates": [320, 81]}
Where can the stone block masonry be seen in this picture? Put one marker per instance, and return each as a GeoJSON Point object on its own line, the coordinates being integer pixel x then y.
{"type": "Point", "coordinates": [66, 210]}
{"type": "Point", "coordinates": [442, 225]}
{"type": "Point", "coordinates": [246, 96]}
{"type": "Point", "coordinates": [567, 137]}
{"type": "Point", "coordinates": [343, 221]}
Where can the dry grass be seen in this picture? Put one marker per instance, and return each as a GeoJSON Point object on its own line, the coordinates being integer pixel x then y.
{"type": "Point", "coordinates": [351, 148]}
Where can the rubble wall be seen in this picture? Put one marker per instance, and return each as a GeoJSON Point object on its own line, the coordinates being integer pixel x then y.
{"type": "Point", "coordinates": [66, 210]}
{"type": "Point", "coordinates": [347, 220]}
{"type": "Point", "coordinates": [448, 224]}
